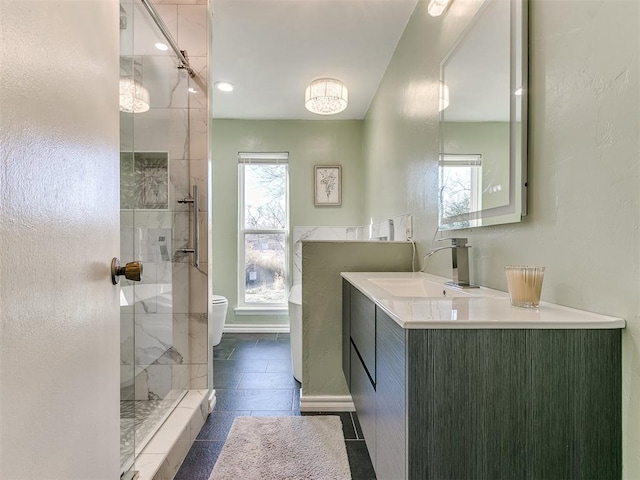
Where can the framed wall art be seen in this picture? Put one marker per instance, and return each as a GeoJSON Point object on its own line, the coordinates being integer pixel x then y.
{"type": "Point", "coordinates": [327, 185]}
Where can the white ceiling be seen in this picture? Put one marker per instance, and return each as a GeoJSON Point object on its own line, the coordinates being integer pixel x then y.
{"type": "Point", "coordinates": [271, 49]}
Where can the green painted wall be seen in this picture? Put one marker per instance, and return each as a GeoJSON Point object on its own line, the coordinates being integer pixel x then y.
{"type": "Point", "coordinates": [309, 143]}
{"type": "Point", "coordinates": [322, 263]}
{"type": "Point", "coordinates": [584, 167]}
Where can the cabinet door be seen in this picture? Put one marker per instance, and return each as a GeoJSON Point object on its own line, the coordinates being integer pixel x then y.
{"type": "Point", "coordinates": [574, 424]}
{"type": "Point", "coordinates": [468, 404]}
{"type": "Point", "coordinates": [363, 330]}
{"type": "Point", "coordinates": [390, 399]}
{"type": "Point", "coordinates": [364, 398]}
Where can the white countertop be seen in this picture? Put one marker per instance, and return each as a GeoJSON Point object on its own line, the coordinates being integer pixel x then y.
{"type": "Point", "coordinates": [441, 306]}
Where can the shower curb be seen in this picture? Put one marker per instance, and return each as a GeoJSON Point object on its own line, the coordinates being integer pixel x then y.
{"type": "Point", "coordinates": [163, 455]}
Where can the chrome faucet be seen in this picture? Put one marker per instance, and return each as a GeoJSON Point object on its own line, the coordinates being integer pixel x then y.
{"type": "Point", "coordinates": [460, 261]}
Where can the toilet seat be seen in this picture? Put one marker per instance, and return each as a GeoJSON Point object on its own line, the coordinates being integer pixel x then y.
{"type": "Point", "coordinates": [218, 299]}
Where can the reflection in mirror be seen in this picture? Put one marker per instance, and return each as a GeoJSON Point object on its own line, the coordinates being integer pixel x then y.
{"type": "Point", "coordinates": [482, 164]}
{"type": "Point", "coordinates": [460, 182]}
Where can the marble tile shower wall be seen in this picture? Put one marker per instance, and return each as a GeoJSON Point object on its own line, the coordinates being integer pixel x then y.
{"type": "Point", "coordinates": [318, 233]}
{"type": "Point", "coordinates": [170, 327]}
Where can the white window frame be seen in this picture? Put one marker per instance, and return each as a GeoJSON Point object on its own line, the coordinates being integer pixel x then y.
{"type": "Point", "coordinates": [465, 161]}
{"type": "Point", "coordinates": [244, 308]}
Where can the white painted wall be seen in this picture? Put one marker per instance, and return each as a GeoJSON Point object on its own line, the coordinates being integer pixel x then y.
{"type": "Point", "coordinates": [584, 221]}
{"type": "Point", "coordinates": [59, 224]}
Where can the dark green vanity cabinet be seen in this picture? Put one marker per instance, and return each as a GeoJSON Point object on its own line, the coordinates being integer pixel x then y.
{"type": "Point", "coordinates": [484, 403]}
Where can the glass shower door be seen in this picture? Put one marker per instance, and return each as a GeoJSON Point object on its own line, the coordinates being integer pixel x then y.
{"type": "Point", "coordinates": [127, 320]}
{"type": "Point", "coordinates": [154, 175]}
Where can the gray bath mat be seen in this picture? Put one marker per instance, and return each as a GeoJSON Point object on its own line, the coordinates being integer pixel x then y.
{"type": "Point", "coordinates": [270, 448]}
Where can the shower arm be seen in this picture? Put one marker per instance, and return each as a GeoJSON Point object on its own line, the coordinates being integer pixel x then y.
{"type": "Point", "coordinates": [182, 54]}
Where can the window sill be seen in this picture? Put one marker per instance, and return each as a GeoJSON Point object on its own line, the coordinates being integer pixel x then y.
{"type": "Point", "coordinates": [240, 311]}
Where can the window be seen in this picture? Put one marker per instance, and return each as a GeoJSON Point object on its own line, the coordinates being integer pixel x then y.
{"type": "Point", "coordinates": [460, 188]}
{"type": "Point", "coordinates": [263, 231]}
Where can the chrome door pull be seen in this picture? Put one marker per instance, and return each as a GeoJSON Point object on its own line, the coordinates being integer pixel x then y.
{"type": "Point", "coordinates": [131, 271]}
{"type": "Point", "coordinates": [195, 236]}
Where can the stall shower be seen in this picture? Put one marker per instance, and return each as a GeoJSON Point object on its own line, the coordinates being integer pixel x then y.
{"type": "Point", "coordinates": [163, 145]}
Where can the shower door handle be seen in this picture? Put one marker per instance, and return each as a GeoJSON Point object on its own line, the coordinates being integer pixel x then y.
{"type": "Point", "coordinates": [195, 228]}
{"type": "Point", "coordinates": [131, 271]}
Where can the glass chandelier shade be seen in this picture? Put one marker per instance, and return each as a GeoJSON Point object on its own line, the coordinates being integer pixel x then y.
{"type": "Point", "coordinates": [437, 7]}
{"type": "Point", "coordinates": [326, 96]}
{"type": "Point", "coordinates": [134, 98]}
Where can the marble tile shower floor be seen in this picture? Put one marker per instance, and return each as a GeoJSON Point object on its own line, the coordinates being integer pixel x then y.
{"type": "Point", "coordinates": [252, 376]}
{"type": "Point", "coordinates": [139, 419]}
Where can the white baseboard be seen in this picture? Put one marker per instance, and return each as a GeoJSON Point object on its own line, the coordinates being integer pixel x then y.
{"type": "Point", "coordinates": [326, 403]}
{"type": "Point", "coordinates": [254, 328]}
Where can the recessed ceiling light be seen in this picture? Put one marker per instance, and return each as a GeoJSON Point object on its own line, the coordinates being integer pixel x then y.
{"type": "Point", "coordinates": [518, 92]}
{"type": "Point", "coordinates": [161, 46]}
{"type": "Point", "coordinates": [223, 86]}
{"type": "Point", "coordinates": [192, 90]}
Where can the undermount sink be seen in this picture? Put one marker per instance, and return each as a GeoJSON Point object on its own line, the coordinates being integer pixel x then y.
{"type": "Point", "coordinates": [419, 287]}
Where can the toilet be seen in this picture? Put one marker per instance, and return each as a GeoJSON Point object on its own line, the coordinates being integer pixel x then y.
{"type": "Point", "coordinates": [295, 329]}
{"type": "Point", "coordinates": [217, 317]}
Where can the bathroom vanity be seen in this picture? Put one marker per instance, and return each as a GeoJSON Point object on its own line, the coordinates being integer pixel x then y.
{"type": "Point", "coordinates": [452, 384]}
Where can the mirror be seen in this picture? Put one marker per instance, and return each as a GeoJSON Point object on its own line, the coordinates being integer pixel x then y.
{"type": "Point", "coordinates": [483, 113]}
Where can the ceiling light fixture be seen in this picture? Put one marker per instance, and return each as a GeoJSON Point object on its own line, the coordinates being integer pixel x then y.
{"type": "Point", "coordinates": [224, 86]}
{"type": "Point", "coordinates": [326, 96]}
{"type": "Point", "coordinates": [134, 98]}
{"type": "Point", "coordinates": [437, 7]}
{"type": "Point", "coordinates": [161, 46]}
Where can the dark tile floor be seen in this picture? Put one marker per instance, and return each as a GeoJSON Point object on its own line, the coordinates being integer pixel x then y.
{"type": "Point", "coordinates": [252, 376]}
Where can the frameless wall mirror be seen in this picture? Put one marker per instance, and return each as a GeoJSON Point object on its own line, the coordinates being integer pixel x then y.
{"type": "Point", "coordinates": [483, 120]}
